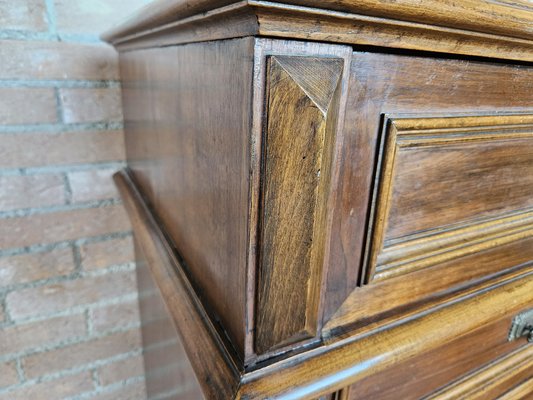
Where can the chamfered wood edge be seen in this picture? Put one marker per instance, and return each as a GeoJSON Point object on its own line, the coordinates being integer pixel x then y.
{"type": "Point", "coordinates": [216, 370]}
{"type": "Point", "coordinates": [337, 365]}
{"type": "Point", "coordinates": [164, 12]}
{"type": "Point", "coordinates": [306, 91]}
{"type": "Point", "coordinates": [403, 132]}
{"type": "Point", "coordinates": [271, 19]}
{"type": "Point", "coordinates": [318, 371]}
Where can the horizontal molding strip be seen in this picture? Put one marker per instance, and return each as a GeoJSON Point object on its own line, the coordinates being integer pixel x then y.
{"type": "Point", "coordinates": [434, 248]}
{"type": "Point", "coordinates": [481, 384]}
{"type": "Point", "coordinates": [333, 366]}
{"type": "Point", "coordinates": [288, 21]}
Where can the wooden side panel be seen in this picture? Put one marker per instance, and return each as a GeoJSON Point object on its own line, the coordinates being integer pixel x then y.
{"type": "Point", "coordinates": [303, 97]}
{"type": "Point", "coordinates": [187, 123]}
{"type": "Point", "coordinates": [208, 352]}
{"type": "Point", "coordinates": [450, 187]}
{"type": "Point", "coordinates": [477, 15]}
{"type": "Point", "coordinates": [506, 17]}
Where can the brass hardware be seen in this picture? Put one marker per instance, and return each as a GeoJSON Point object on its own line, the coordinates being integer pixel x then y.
{"type": "Point", "coordinates": [522, 325]}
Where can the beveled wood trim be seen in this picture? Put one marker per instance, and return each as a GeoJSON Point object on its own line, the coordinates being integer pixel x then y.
{"type": "Point", "coordinates": [215, 368]}
{"type": "Point", "coordinates": [483, 383]}
{"type": "Point", "coordinates": [297, 22]}
{"type": "Point", "coordinates": [476, 15]}
{"type": "Point", "coordinates": [264, 50]}
{"type": "Point", "coordinates": [301, 117]}
{"type": "Point", "coordinates": [316, 372]}
{"type": "Point", "coordinates": [291, 21]}
{"type": "Point", "coordinates": [159, 13]}
{"type": "Point", "coordinates": [520, 392]}
{"type": "Point", "coordinates": [337, 365]}
{"type": "Point", "coordinates": [421, 251]}
{"type": "Point", "coordinates": [229, 22]}
{"type": "Point", "coordinates": [393, 257]}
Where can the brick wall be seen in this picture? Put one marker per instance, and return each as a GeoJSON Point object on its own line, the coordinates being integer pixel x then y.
{"type": "Point", "coordinates": [69, 323]}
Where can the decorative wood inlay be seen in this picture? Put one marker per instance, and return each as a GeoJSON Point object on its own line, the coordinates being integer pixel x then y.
{"type": "Point", "coordinates": [302, 106]}
{"type": "Point", "coordinates": [450, 187]}
{"type": "Point", "coordinates": [488, 382]}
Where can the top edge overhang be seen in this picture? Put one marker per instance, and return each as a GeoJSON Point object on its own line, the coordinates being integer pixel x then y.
{"type": "Point", "coordinates": [497, 17]}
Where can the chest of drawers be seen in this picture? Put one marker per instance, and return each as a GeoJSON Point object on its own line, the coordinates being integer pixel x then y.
{"type": "Point", "coordinates": [332, 199]}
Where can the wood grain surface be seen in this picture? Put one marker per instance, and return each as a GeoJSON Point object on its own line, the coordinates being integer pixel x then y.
{"type": "Point", "coordinates": [265, 50]}
{"type": "Point", "coordinates": [303, 96]}
{"type": "Point", "coordinates": [187, 122]}
{"type": "Point", "coordinates": [481, 27]}
{"type": "Point", "coordinates": [333, 367]}
{"type": "Point", "coordinates": [498, 365]}
{"type": "Point", "coordinates": [449, 187]}
{"type": "Point", "coordinates": [491, 380]}
{"type": "Point", "coordinates": [212, 360]}
{"type": "Point", "coordinates": [409, 86]}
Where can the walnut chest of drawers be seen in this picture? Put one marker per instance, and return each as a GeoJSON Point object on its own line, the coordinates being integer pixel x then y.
{"type": "Point", "coordinates": [332, 199]}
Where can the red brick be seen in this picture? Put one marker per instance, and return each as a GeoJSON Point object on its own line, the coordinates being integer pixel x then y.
{"type": "Point", "coordinates": [18, 192]}
{"type": "Point", "coordinates": [92, 185]}
{"type": "Point", "coordinates": [173, 378]}
{"type": "Point", "coordinates": [104, 254]}
{"type": "Point", "coordinates": [67, 386]}
{"type": "Point", "coordinates": [159, 330]}
{"type": "Point", "coordinates": [133, 391]}
{"type": "Point", "coordinates": [62, 296]}
{"type": "Point", "coordinates": [23, 15]}
{"type": "Point", "coordinates": [91, 105]}
{"type": "Point", "coordinates": [45, 149]}
{"type": "Point", "coordinates": [57, 60]}
{"type": "Point", "coordinates": [23, 337]}
{"type": "Point", "coordinates": [27, 106]}
{"type": "Point", "coordinates": [115, 316]}
{"type": "Point", "coordinates": [164, 356]}
{"type": "Point", "coordinates": [33, 267]}
{"type": "Point", "coordinates": [8, 374]}
{"type": "Point", "coordinates": [121, 370]}
{"type": "Point", "coordinates": [61, 226]}
{"type": "Point", "coordinates": [80, 354]}
{"type": "Point", "coordinates": [90, 17]}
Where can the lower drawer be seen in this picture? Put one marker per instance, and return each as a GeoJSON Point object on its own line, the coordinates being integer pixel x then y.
{"type": "Point", "coordinates": [481, 364]}
{"type": "Point", "coordinates": [503, 377]}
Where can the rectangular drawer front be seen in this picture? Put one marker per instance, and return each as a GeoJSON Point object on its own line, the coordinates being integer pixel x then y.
{"type": "Point", "coordinates": [451, 187]}
{"type": "Point", "coordinates": [434, 198]}
{"type": "Point", "coordinates": [481, 365]}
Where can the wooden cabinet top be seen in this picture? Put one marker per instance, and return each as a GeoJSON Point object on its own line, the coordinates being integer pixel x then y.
{"type": "Point", "coordinates": [487, 28]}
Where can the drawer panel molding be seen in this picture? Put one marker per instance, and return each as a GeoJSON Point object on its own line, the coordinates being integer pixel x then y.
{"type": "Point", "coordinates": [492, 380]}
{"type": "Point", "coordinates": [449, 188]}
